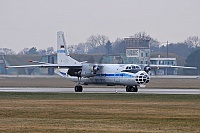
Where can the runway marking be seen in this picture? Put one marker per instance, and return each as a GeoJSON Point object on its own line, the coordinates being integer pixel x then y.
{"type": "Point", "coordinates": [103, 90]}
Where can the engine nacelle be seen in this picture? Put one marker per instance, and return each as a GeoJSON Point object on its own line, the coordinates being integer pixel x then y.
{"type": "Point", "coordinates": [89, 70]}
{"type": "Point", "coordinates": [95, 68]}
{"type": "Point", "coordinates": [147, 69]}
{"type": "Point", "coordinates": [87, 74]}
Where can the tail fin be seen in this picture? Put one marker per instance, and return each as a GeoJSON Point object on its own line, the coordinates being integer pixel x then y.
{"type": "Point", "coordinates": [63, 57]}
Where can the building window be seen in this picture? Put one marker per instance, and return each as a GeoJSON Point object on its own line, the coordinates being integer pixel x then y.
{"type": "Point", "coordinates": [161, 63]}
{"type": "Point", "coordinates": [146, 54]}
{"type": "Point", "coordinates": [141, 54]}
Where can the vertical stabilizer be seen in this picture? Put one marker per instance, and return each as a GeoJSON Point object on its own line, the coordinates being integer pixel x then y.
{"type": "Point", "coordinates": [63, 57]}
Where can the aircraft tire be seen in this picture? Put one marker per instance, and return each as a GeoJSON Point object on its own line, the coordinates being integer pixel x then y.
{"type": "Point", "coordinates": [78, 88]}
{"type": "Point", "coordinates": [136, 89]}
{"type": "Point", "coordinates": [128, 88]}
{"type": "Point", "coordinates": [131, 89]}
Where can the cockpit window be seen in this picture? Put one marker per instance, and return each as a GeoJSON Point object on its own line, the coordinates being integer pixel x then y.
{"type": "Point", "coordinates": [132, 68]}
{"type": "Point", "coordinates": [128, 67]}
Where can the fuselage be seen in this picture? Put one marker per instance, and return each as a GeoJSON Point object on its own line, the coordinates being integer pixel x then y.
{"type": "Point", "coordinates": [113, 74]}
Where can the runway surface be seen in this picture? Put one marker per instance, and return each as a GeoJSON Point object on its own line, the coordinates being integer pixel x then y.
{"type": "Point", "coordinates": [103, 90]}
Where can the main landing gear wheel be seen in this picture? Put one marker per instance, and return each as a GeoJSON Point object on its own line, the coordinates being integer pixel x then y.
{"type": "Point", "coordinates": [131, 89]}
{"type": "Point", "coordinates": [78, 88]}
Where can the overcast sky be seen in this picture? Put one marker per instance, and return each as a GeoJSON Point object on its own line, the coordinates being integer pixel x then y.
{"type": "Point", "coordinates": [28, 23]}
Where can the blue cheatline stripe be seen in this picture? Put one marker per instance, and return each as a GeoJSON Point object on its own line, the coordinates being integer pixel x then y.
{"type": "Point", "coordinates": [116, 75]}
{"type": "Point", "coordinates": [109, 75]}
{"type": "Point", "coordinates": [63, 73]}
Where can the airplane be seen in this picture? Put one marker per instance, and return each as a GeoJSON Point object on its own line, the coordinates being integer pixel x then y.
{"type": "Point", "coordinates": [129, 75]}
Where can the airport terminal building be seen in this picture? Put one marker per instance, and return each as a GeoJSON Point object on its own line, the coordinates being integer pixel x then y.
{"type": "Point", "coordinates": [163, 61]}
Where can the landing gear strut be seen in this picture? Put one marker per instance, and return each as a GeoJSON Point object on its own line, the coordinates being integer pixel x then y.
{"type": "Point", "coordinates": [78, 88]}
{"type": "Point", "coordinates": [131, 89]}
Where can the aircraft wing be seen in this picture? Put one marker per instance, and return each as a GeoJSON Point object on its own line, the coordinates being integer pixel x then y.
{"type": "Point", "coordinates": [171, 66]}
{"type": "Point", "coordinates": [47, 66]}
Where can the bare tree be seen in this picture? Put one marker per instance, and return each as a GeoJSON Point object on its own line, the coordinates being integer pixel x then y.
{"type": "Point", "coordinates": [96, 41]}
{"type": "Point", "coordinates": [42, 52]}
{"type": "Point", "coordinates": [108, 47]}
{"type": "Point", "coordinates": [118, 46]}
{"type": "Point", "coordinates": [193, 41]}
{"type": "Point", "coordinates": [142, 35]}
{"type": "Point", "coordinates": [72, 48]}
{"type": "Point", "coordinates": [50, 50]}
{"type": "Point", "coordinates": [6, 51]}
{"type": "Point", "coordinates": [154, 43]}
{"type": "Point", "coordinates": [33, 51]}
{"type": "Point", "coordinates": [24, 51]}
{"type": "Point", "coordinates": [81, 48]}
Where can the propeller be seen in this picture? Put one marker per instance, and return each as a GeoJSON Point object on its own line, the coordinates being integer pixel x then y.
{"type": "Point", "coordinates": [95, 68]}
{"type": "Point", "coordinates": [147, 69]}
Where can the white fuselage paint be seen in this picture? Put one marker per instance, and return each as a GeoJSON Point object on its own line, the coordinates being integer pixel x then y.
{"type": "Point", "coordinates": [109, 74]}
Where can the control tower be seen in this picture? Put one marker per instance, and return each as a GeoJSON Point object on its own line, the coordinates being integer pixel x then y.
{"type": "Point", "coordinates": [138, 49]}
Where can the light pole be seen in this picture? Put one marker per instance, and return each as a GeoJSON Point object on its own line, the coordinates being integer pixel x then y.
{"type": "Point", "coordinates": [167, 49]}
{"type": "Point", "coordinates": [166, 69]}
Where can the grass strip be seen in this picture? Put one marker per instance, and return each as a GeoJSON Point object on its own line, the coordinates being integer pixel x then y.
{"type": "Point", "coordinates": [81, 112]}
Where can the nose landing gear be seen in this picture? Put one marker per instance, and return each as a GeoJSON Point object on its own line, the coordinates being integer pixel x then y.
{"type": "Point", "coordinates": [131, 89]}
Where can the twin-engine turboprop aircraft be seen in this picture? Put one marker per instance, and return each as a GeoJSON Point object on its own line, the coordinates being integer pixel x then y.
{"type": "Point", "coordinates": [129, 75]}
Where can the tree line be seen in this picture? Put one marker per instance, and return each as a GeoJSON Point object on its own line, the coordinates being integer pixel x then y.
{"type": "Point", "coordinates": [100, 44]}
{"type": "Point", "coordinates": [28, 51]}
